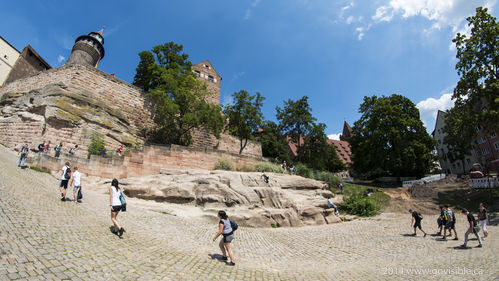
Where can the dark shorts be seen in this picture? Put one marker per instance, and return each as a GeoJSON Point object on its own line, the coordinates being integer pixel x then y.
{"type": "Point", "coordinates": [450, 225]}
{"type": "Point", "coordinates": [228, 238]}
{"type": "Point", "coordinates": [116, 208]}
{"type": "Point", "coordinates": [64, 183]}
{"type": "Point", "coordinates": [417, 224]}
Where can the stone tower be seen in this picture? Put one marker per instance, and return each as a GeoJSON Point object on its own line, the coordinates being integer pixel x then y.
{"type": "Point", "coordinates": [206, 73]}
{"type": "Point", "coordinates": [88, 49]}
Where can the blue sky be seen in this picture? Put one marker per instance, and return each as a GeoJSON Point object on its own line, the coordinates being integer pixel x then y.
{"type": "Point", "coordinates": [336, 52]}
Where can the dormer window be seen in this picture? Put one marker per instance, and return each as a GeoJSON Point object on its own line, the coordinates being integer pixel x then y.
{"type": "Point", "coordinates": [211, 78]}
{"type": "Point", "coordinates": [206, 66]}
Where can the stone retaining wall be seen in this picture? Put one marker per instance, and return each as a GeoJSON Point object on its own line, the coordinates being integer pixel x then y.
{"type": "Point", "coordinates": [138, 163]}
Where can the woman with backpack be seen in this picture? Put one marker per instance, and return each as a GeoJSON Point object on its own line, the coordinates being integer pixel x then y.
{"type": "Point", "coordinates": [115, 195]}
{"type": "Point", "coordinates": [225, 229]}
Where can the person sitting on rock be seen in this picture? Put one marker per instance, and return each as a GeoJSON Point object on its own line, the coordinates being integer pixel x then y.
{"type": "Point", "coordinates": [331, 205]}
{"type": "Point", "coordinates": [265, 178]}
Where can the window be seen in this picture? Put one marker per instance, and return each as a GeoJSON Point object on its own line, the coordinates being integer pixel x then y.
{"type": "Point", "coordinates": [438, 131]}
{"type": "Point", "coordinates": [468, 161]}
{"type": "Point", "coordinates": [485, 151]}
{"type": "Point", "coordinates": [206, 66]}
{"type": "Point", "coordinates": [459, 164]}
{"type": "Point", "coordinates": [210, 78]}
{"type": "Point", "coordinates": [439, 141]}
{"type": "Point", "coordinates": [478, 153]}
{"type": "Point", "coordinates": [496, 145]}
{"type": "Point", "coordinates": [493, 136]}
{"type": "Point", "coordinates": [478, 128]}
{"type": "Point", "coordinates": [197, 73]}
{"type": "Point", "coordinates": [482, 140]}
{"type": "Point", "coordinates": [453, 165]}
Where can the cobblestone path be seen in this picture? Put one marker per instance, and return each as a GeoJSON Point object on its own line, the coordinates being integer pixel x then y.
{"type": "Point", "coordinates": [42, 238]}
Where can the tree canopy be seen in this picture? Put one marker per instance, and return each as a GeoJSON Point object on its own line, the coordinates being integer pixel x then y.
{"type": "Point", "coordinates": [295, 119]}
{"type": "Point", "coordinates": [245, 116]}
{"type": "Point", "coordinates": [476, 93]}
{"type": "Point", "coordinates": [179, 98]}
{"type": "Point", "coordinates": [274, 144]}
{"type": "Point", "coordinates": [317, 153]}
{"type": "Point", "coordinates": [459, 135]}
{"type": "Point", "coordinates": [390, 139]}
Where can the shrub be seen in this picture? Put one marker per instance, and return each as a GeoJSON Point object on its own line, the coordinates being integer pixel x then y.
{"type": "Point", "coordinates": [329, 178]}
{"type": "Point", "coordinates": [304, 171]}
{"type": "Point", "coordinates": [96, 144]}
{"type": "Point", "coordinates": [357, 204]}
{"type": "Point", "coordinates": [250, 167]}
{"type": "Point", "coordinates": [224, 164]}
{"type": "Point", "coordinates": [269, 167]}
{"type": "Point", "coordinates": [41, 170]}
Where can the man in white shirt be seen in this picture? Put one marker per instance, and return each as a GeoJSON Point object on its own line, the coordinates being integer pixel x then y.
{"type": "Point", "coordinates": [76, 183]}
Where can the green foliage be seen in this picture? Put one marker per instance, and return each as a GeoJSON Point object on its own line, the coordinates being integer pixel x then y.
{"type": "Point", "coordinates": [295, 120]}
{"type": "Point", "coordinates": [357, 201]}
{"type": "Point", "coordinates": [224, 164]}
{"type": "Point", "coordinates": [478, 61]}
{"type": "Point", "coordinates": [317, 153]}
{"type": "Point", "coordinates": [245, 116]}
{"type": "Point", "coordinates": [178, 97]}
{"type": "Point", "coordinates": [96, 144]}
{"type": "Point", "coordinates": [390, 139]}
{"type": "Point", "coordinates": [274, 144]}
{"type": "Point", "coordinates": [329, 178]}
{"type": "Point", "coordinates": [304, 171]}
{"type": "Point", "coordinates": [470, 198]}
{"type": "Point", "coordinates": [41, 170]}
{"type": "Point", "coordinates": [268, 167]}
{"type": "Point", "coordinates": [247, 167]}
{"type": "Point", "coordinates": [459, 135]}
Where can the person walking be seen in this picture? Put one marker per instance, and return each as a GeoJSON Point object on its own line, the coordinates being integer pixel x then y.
{"type": "Point", "coordinates": [65, 176]}
{"type": "Point", "coordinates": [225, 229]}
{"type": "Point", "coordinates": [41, 148]}
{"type": "Point", "coordinates": [58, 150]}
{"type": "Point", "coordinates": [441, 221]}
{"type": "Point", "coordinates": [341, 188]}
{"type": "Point", "coordinates": [46, 149]}
{"type": "Point", "coordinates": [416, 221]}
{"type": "Point", "coordinates": [116, 206]}
{"type": "Point", "coordinates": [72, 151]}
{"type": "Point", "coordinates": [473, 228]}
{"type": "Point", "coordinates": [483, 216]}
{"type": "Point", "coordinates": [76, 183]}
{"type": "Point", "coordinates": [451, 223]}
{"type": "Point", "coordinates": [24, 153]}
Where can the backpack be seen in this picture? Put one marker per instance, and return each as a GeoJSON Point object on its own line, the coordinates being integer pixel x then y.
{"type": "Point", "coordinates": [80, 195]}
{"type": "Point", "coordinates": [233, 225]}
{"type": "Point", "coordinates": [420, 216]}
{"type": "Point", "coordinates": [67, 174]}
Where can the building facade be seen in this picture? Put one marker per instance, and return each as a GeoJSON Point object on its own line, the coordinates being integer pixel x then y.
{"type": "Point", "coordinates": [206, 73]}
{"type": "Point", "coordinates": [8, 57]}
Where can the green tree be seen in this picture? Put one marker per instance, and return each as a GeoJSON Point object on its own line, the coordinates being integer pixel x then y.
{"type": "Point", "coordinates": [245, 116]}
{"type": "Point", "coordinates": [295, 120]}
{"type": "Point", "coordinates": [97, 144]}
{"type": "Point", "coordinates": [317, 153]}
{"type": "Point", "coordinates": [459, 135]}
{"type": "Point", "coordinates": [274, 144]}
{"type": "Point", "coordinates": [390, 139]}
{"type": "Point", "coordinates": [179, 98]}
{"type": "Point", "coordinates": [478, 59]}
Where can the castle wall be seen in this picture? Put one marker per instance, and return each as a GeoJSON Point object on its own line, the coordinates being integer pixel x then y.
{"type": "Point", "coordinates": [113, 92]}
{"type": "Point", "coordinates": [138, 163]}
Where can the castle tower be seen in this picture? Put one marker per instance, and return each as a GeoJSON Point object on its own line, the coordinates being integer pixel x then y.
{"type": "Point", "coordinates": [88, 49]}
{"type": "Point", "coordinates": [206, 73]}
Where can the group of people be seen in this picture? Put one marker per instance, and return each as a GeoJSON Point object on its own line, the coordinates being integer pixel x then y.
{"type": "Point", "coordinates": [291, 169]}
{"type": "Point", "coordinates": [68, 178]}
{"type": "Point", "coordinates": [447, 222]}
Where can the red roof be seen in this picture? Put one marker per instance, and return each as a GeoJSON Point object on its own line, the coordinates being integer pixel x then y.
{"type": "Point", "coordinates": [342, 149]}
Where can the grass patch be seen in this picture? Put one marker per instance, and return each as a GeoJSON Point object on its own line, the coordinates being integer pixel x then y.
{"type": "Point", "coordinates": [470, 199]}
{"type": "Point", "coordinates": [224, 164]}
{"type": "Point", "coordinates": [41, 170]}
{"type": "Point", "coordinates": [363, 200]}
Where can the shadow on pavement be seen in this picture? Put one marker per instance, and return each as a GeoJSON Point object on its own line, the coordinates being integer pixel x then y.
{"type": "Point", "coordinates": [408, 235]}
{"type": "Point", "coordinates": [460, 248]}
{"type": "Point", "coordinates": [111, 229]}
{"type": "Point", "coordinates": [216, 257]}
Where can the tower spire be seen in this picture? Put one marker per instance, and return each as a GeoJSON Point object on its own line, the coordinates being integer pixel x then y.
{"type": "Point", "coordinates": [88, 49]}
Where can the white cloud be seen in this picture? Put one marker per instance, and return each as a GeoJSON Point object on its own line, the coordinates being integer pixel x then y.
{"type": "Point", "coordinates": [429, 107]}
{"type": "Point", "coordinates": [227, 100]}
{"type": "Point", "coordinates": [60, 59]}
{"type": "Point", "coordinates": [442, 13]}
{"type": "Point", "coordinates": [238, 75]}
{"type": "Point", "coordinates": [334, 136]}
{"type": "Point", "coordinates": [249, 11]}
{"type": "Point", "coordinates": [362, 31]}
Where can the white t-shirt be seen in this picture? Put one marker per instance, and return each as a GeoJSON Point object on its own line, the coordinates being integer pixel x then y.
{"type": "Point", "coordinates": [116, 196]}
{"type": "Point", "coordinates": [64, 172]}
{"type": "Point", "coordinates": [77, 178]}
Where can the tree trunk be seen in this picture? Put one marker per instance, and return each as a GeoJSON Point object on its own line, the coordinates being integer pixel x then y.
{"type": "Point", "coordinates": [242, 146]}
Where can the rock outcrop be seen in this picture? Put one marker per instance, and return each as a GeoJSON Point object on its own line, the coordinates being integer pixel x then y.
{"type": "Point", "coordinates": [284, 201]}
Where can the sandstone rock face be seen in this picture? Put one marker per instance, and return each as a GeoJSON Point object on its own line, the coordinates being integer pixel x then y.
{"type": "Point", "coordinates": [65, 114]}
{"type": "Point", "coordinates": [285, 201]}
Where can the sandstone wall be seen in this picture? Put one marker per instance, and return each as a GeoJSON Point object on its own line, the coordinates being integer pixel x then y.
{"type": "Point", "coordinates": [138, 163]}
{"type": "Point", "coordinates": [106, 91]}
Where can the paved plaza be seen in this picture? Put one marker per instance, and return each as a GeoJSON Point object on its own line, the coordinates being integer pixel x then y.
{"type": "Point", "coordinates": [42, 238]}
